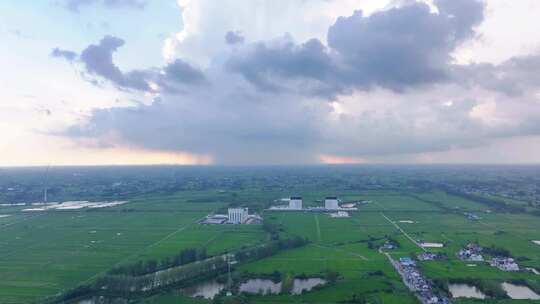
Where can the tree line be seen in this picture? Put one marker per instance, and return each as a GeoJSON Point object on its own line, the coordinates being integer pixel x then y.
{"type": "Point", "coordinates": [185, 256]}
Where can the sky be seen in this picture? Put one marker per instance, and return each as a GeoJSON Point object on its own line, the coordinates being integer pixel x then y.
{"type": "Point", "coordinates": [264, 82]}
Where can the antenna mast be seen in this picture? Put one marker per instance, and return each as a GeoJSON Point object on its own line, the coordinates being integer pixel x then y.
{"type": "Point", "coordinates": [45, 184]}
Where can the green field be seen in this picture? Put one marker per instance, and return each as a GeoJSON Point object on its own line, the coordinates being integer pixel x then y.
{"type": "Point", "coordinates": [45, 253]}
{"type": "Point", "coordinates": [42, 254]}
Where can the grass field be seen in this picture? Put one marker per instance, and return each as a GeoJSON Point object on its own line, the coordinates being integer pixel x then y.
{"type": "Point", "coordinates": [42, 254]}
{"type": "Point", "coordinates": [337, 244]}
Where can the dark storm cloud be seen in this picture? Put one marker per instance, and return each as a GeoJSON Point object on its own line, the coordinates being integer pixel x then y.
{"type": "Point", "coordinates": [396, 49]}
{"type": "Point", "coordinates": [98, 60]}
{"type": "Point", "coordinates": [234, 38]}
{"type": "Point", "coordinates": [180, 71]}
{"type": "Point", "coordinates": [66, 54]}
{"type": "Point", "coordinates": [308, 63]}
{"type": "Point", "coordinates": [232, 122]}
{"type": "Point", "coordinates": [464, 15]}
{"type": "Point", "coordinates": [514, 77]}
{"type": "Point", "coordinates": [76, 5]}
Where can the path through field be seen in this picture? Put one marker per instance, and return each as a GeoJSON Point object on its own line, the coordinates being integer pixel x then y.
{"type": "Point", "coordinates": [182, 228]}
{"type": "Point", "coordinates": [404, 233]}
{"type": "Point", "coordinates": [318, 228]}
{"type": "Point", "coordinates": [342, 250]}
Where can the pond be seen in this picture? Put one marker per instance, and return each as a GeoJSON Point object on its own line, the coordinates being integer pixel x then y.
{"type": "Point", "coordinates": [210, 289]}
{"type": "Point", "coordinates": [101, 300]}
{"type": "Point", "coordinates": [260, 286]}
{"type": "Point", "coordinates": [518, 292]}
{"type": "Point", "coordinates": [266, 287]}
{"type": "Point", "coordinates": [207, 290]}
{"type": "Point", "coordinates": [301, 285]}
{"type": "Point", "coordinates": [465, 291]}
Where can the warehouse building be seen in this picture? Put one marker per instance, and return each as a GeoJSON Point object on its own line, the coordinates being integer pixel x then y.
{"type": "Point", "coordinates": [331, 203]}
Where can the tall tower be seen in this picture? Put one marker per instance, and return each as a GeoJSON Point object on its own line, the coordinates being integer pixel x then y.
{"type": "Point", "coordinates": [295, 203]}
{"type": "Point", "coordinates": [45, 181]}
{"type": "Point", "coordinates": [237, 215]}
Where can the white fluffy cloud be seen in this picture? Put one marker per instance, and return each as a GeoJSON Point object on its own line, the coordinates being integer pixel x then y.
{"type": "Point", "coordinates": [206, 22]}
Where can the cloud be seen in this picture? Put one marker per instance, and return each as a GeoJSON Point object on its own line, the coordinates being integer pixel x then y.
{"type": "Point", "coordinates": [230, 121]}
{"type": "Point", "coordinates": [98, 60]}
{"type": "Point", "coordinates": [180, 71]}
{"type": "Point", "coordinates": [234, 38]}
{"type": "Point", "coordinates": [206, 22]}
{"type": "Point", "coordinates": [515, 76]}
{"type": "Point", "coordinates": [282, 65]}
{"type": "Point", "coordinates": [399, 47]}
{"type": "Point", "coordinates": [75, 5]}
{"type": "Point", "coordinates": [66, 54]}
{"type": "Point", "coordinates": [379, 86]}
{"type": "Point", "coordinates": [396, 49]}
{"type": "Point", "coordinates": [235, 123]}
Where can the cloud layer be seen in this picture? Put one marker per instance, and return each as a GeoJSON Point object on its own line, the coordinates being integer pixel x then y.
{"type": "Point", "coordinates": [76, 5]}
{"type": "Point", "coordinates": [379, 84]}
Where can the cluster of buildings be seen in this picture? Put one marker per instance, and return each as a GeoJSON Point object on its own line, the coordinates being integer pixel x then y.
{"type": "Point", "coordinates": [472, 216]}
{"type": "Point", "coordinates": [471, 253]}
{"type": "Point", "coordinates": [431, 256]}
{"type": "Point", "coordinates": [416, 282]}
{"type": "Point", "coordinates": [233, 216]}
{"type": "Point", "coordinates": [504, 264]}
{"type": "Point", "coordinates": [331, 204]}
{"type": "Point", "coordinates": [389, 245]}
{"type": "Point", "coordinates": [72, 205]}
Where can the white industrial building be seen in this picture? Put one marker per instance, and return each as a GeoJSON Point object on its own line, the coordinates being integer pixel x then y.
{"type": "Point", "coordinates": [331, 203]}
{"type": "Point", "coordinates": [238, 215]}
{"type": "Point", "coordinates": [295, 203]}
{"type": "Point", "coordinates": [233, 216]}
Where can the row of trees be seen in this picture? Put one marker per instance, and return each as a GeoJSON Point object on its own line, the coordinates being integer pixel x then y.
{"type": "Point", "coordinates": [126, 284]}
{"type": "Point", "coordinates": [497, 205]}
{"type": "Point", "coordinates": [272, 229]}
{"type": "Point", "coordinates": [139, 268]}
{"type": "Point", "coordinates": [269, 249]}
{"type": "Point", "coordinates": [497, 251]}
